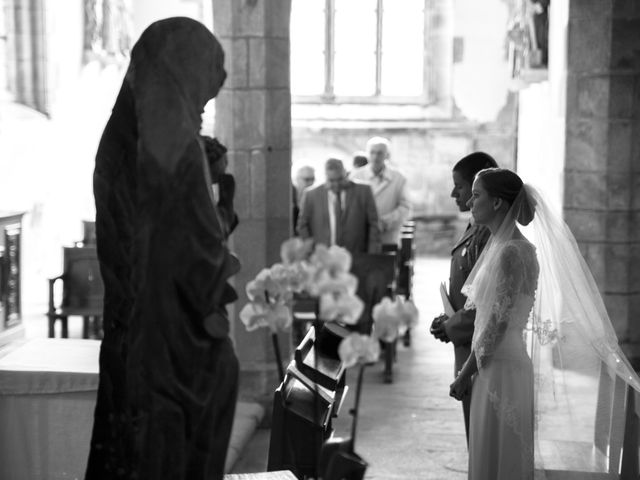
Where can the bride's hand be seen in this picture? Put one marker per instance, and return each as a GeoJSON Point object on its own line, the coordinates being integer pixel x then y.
{"type": "Point", "coordinates": [460, 387]}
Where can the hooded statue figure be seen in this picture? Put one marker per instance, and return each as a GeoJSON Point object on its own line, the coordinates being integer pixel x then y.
{"type": "Point", "coordinates": [168, 372]}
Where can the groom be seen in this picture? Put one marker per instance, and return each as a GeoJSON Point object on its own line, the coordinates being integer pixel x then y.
{"type": "Point", "coordinates": [458, 328]}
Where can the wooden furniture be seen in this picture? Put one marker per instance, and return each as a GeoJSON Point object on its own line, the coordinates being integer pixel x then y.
{"type": "Point", "coordinates": [377, 278]}
{"type": "Point", "coordinates": [406, 260]}
{"type": "Point", "coordinates": [10, 277]}
{"type": "Point", "coordinates": [304, 404]}
{"type": "Point", "coordinates": [406, 256]}
{"type": "Point", "coordinates": [82, 291]}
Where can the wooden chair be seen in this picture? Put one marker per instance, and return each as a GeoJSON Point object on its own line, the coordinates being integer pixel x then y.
{"type": "Point", "coordinates": [406, 260]}
{"type": "Point", "coordinates": [377, 274]}
{"type": "Point", "coordinates": [82, 291]}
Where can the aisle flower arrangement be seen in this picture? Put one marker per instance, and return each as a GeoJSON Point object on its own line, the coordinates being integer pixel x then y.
{"type": "Point", "coordinates": [324, 273]}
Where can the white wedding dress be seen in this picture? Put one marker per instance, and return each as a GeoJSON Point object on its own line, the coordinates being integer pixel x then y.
{"type": "Point", "coordinates": [543, 341]}
{"type": "Point", "coordinates": [501, 428]}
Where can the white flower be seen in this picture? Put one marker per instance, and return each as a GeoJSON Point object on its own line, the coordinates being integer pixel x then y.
{"type": "Point", "coordinates": [392, 317]}
{"type": "Point", "coordinates": [410, 314]}
{"type": "Point", "coordinates": [256, 315]}
{"type": "Point", "coordinates": [358, 348]}
{"type": "Point", "coordinates": [386, 320]}
{"type": "Point", "coordinates": [341, 283]}
{"type": "Point", "coordinates": [316, 274]}
{"type": "Point", "coordinates": [279, 317]}
{"type": "Point", "coordinates": [295, 250]}
{"type": "Point", "coordinates": [279, 285]}
{"type": "Point", "coordinates": [255, 288]}
{"type": "Point", "coordinates": [298, 277]}
{"type": "Point", "coordinates": [344, 307]}
{"type": "Point", "coordinates": [335, 259]}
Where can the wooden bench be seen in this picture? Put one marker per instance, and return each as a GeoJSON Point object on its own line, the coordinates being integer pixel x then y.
{"type": "Point", "coordinates": [377, 278]}
{"type": "Point", "coordinates": [305, 403]}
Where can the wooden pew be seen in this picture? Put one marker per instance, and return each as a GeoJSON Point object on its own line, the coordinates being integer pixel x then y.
{"type": "Point", "coordinates": [310, 396]}
{"type": "Point", "coordinates": [406, 260]}
{"type": "Point", "coordinates": [406, 256]}
{"type": "Point", "coordinates": [377, 274]}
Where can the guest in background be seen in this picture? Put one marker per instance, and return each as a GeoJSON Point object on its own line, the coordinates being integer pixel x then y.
{"type": "Point", "coordinates": [224, 185]}
{"type": "Point", "coordinates": [359, 159]}
{"type": "Point", "coordinates": [389, 190]}
{"type": "Point", "coordinates": [340, 212]}
{"type": "Point", "coordinates": [305, 178]}
{"type": "Point", "coordinates": [458, 328]}
{"type": "Point", "coordinates": [168, 371]}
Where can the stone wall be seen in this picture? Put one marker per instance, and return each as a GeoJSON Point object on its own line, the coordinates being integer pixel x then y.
{"type": "Point", "coordinates": [253, 119]}
{"type": "Point", "coordinates": [425, 153]}
{"type": "Point", "coordinates": [602, 170]}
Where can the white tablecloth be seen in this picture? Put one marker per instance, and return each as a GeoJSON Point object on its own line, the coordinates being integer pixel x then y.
{"type": "Point", "coordinates": [47, 397]}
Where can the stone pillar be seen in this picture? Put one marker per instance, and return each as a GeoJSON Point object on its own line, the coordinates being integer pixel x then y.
{"type": "Point", "coordinates": [253, 118]}
{"type": "Point", "coordinates": [602, 171]}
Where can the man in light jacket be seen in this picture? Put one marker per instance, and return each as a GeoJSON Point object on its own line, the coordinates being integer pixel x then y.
{"type": "Point", "coordinates": [389, 190]}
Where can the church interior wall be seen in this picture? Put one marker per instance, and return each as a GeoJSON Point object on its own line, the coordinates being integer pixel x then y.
{"type": "Point", "coordinates": [47, 159]}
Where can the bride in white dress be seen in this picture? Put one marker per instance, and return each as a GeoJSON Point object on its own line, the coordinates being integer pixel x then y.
{"type": "Point", "coordinates": [540, 325]}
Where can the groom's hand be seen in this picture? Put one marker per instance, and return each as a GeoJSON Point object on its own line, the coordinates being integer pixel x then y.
{"type": "Point", "coordinates": [437, 328]}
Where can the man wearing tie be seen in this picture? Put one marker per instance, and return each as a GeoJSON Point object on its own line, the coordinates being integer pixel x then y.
{"type": "Point", "coordinates": [458, 328]}
{"type": "Point", "coordinates": [340, 212]}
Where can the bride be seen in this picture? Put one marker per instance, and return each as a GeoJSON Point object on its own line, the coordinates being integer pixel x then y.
{"type": "Point", "coordinates": [542, 338]}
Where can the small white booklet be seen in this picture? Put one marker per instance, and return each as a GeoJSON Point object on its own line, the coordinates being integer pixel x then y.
{"type": "Point", "coordinates": [446, 302]}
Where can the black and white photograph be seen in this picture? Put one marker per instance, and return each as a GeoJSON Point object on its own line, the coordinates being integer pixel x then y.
{"type": "Point", "coordinates": [319, 240]}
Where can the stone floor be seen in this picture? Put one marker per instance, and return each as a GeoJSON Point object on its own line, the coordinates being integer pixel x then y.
{"type": "Point", "coordinates": [410, 429]}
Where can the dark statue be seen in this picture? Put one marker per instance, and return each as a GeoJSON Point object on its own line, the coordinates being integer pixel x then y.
{"type": "Point", "coordinates": [168, 371]}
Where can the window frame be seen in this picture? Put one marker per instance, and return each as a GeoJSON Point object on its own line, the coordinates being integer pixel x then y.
{"type": "Point", "coordinates": [329, 97]}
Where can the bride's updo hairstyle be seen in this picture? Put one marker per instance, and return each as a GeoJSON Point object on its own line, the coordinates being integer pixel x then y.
{"type": "Point", "coordinates": [507, 185]}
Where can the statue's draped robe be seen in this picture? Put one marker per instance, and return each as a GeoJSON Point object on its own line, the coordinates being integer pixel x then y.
{"type": "Point", "coordinates": [168, 372]}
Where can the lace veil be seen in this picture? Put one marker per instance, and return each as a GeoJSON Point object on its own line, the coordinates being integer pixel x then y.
{"type": "Point", "coordinates": [579, 370]}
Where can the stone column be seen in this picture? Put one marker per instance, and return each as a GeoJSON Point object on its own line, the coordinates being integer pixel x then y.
{"type": "Point", "coordinates": [602, 171]}
{"type": "Point", "coordinates": [253, 118]}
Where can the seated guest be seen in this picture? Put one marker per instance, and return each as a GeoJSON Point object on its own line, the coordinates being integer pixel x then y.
{"type": "Point", "coordinates": [340, 212]}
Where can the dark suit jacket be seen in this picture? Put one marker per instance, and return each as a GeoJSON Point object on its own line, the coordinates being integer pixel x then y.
{"type": "Point", "coordinates": [359, 218]}
{"type": "Point", "coordinates": [464, 255]}
{"type": "Point", "coordinates": [459, 327]}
